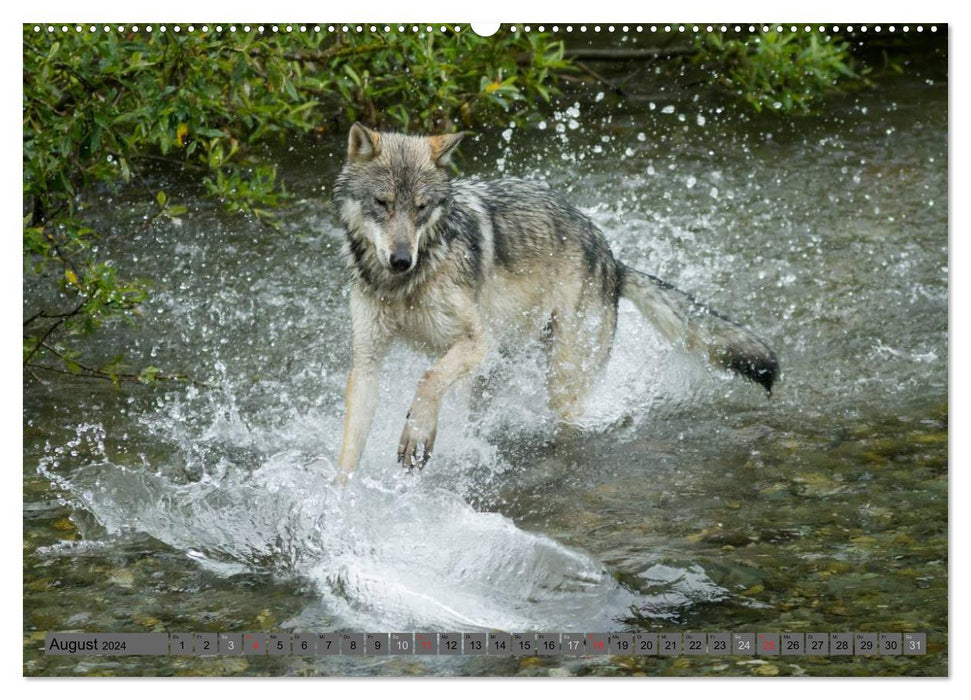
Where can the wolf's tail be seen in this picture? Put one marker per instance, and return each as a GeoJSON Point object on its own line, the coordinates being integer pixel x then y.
{"type": "Point", "coordinates": [681, 319]}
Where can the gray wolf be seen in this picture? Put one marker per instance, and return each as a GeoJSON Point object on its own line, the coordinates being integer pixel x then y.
{"type": "Point", "coordinates": [453, 266]}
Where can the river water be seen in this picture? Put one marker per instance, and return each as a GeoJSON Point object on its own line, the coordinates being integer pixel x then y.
{"type": "Point", "coordinates": [690, 501]}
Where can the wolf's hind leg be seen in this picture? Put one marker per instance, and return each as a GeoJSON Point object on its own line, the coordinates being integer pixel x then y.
{"type": "Point", "coordinates": [578, 351]}
{"type": "Point", "coordinates": [486, 386]}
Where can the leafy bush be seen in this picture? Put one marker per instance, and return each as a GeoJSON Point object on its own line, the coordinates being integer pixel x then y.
{"type": "Point", "coordinates": [780, 71]}
{"type": "Point", "coordinates": [99, 105]}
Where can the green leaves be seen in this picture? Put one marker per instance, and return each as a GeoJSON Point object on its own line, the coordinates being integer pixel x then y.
{"type": "Point", "coordinates": [779, 71]}
{"type": "Point", "coordinates": [149, 374]}
{"type": "Point", "coordinates": [95, 104]}
{"type": "Point", "coordinates": [166, 208]}
{"type": "Point", "coordinates": [438, 80]}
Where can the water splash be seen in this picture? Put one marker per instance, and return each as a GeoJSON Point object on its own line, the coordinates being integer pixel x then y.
{"type": "Point", "coordinates": [381, 554]}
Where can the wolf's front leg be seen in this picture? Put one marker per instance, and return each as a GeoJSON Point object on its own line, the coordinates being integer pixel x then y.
{"type": "Point", "coordinates": [370, 341]}
{"type": "Point", "coordinates": [421, 423]}
{"type": "Point", "coordinates": [360, 399]}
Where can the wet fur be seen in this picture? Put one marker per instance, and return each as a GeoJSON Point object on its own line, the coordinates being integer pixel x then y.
{"type": "Point", "coordinates": [491, 263]}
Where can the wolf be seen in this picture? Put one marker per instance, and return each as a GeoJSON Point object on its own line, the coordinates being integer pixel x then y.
{"type": "Point", "coordinates": [456, 266]}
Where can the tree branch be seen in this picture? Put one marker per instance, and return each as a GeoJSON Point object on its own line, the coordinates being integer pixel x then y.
{"type": "Point", "coordinates": [95, 373]}
{"type": "Point", "coordinates": [627, 54]}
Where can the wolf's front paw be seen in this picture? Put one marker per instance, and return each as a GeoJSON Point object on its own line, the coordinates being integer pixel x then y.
{"type": "Point", "coordinates": [418, 437]}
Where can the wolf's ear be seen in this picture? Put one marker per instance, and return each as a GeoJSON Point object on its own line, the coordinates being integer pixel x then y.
{"type": "Point", "coordinates": [363, 144]}
{"type": "Point", "coordinates": [442, 147]}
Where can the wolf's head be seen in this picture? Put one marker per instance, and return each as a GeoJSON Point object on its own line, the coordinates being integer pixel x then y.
{"type": "Point", "coordinates": [392, 192]}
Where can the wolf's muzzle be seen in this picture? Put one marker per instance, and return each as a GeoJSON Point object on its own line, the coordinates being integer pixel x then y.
{"type": "Point", "coordinates": [400, 258]}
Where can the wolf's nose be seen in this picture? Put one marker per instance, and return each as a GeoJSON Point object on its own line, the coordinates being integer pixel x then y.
{"type": "Point", "coordinates": [400, 260]}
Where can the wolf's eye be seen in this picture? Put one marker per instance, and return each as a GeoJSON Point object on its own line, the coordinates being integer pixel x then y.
{"type": "Point", "coordinates": [421, 206]}
{"type": "Point", "coordinates": [383, 203]}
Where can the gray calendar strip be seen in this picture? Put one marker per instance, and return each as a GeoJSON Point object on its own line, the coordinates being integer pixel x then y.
{"type": "Point", "coordinates": [660, 644]}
